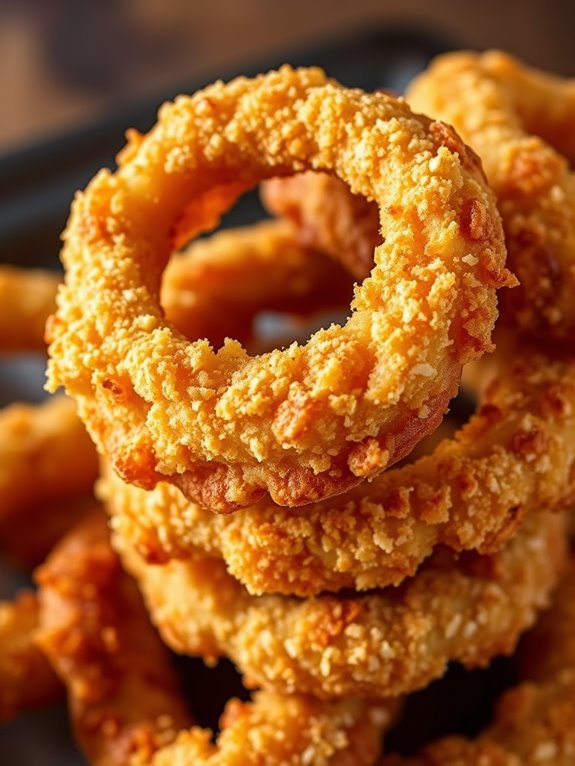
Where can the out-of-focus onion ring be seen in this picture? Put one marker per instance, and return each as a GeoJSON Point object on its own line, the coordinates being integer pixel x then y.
{"type": "Point", "coordinates": [124, 698]}
{"type": "Point", "coordinates": [520, 121]}
{"type": "Point", "coordinates": [380, 644]}
{"type": "Point", "coordinates": [535, 722]}
{"type": "Point", "coordinates": [201, 287]}
{"type": "Point", "coordinates": [26, 677]}
{"type": "Point", "coordinates": [327, 216]}
{"type": "Point", "coordinates": [27, 298]}
{"type": "Point", "coordinates": [515, 456]}
{"type": "Point", "coordinates": [46, 456]}
{"type": "Point", "coordinates": [313, 420]}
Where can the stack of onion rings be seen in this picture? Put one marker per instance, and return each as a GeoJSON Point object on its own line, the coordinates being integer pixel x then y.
{"type": "Point", "coordinates": [124, 697]}
{"type": "Point", "coordinates": [225, 427]}
{"type": "Point", "coordinates": [516, 456]}
{"type": "Point", "coordinates": [465, 534]}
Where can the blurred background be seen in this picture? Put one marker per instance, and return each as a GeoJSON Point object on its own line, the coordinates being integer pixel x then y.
{"type": "Point", "coordinates": [63, 62]}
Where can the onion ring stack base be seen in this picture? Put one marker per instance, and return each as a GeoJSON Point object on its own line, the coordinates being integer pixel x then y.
{"type": "Point", "coordinates": [125, 704]}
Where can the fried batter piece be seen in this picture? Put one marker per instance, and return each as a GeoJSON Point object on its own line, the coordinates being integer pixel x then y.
{"type": "Point", "coordinates": [27, 298]}
{"type": "Point", "coordinates": [26, 677]}
{"type": "Point", "coordinates": [124, 699]}
{"type": "Point", "coordinates": [466, 609]}
{"type": "Point", "coordinates": [520, 122]}
{"type": "Point", "coordinates": [534, 723]}
{"type": "Point", "coordinates": [203, 287]}
{"type": "Point", "coordinates": [517, 455]}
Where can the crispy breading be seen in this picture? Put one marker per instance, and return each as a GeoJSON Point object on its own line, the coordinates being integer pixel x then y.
{"type": "Point", "coordinates": [312, 420]}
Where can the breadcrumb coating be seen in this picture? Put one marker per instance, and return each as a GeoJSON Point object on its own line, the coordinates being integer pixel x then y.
{"type": "Point", "coordinates": [466, 609]}
{"type": "Point", "coordinates": [534, 723]}
{"type": "Point", "coordinates": [309, 421]}
{"type": "Point", "coordinates": [125, 704]}
{"type": "Point", "coordinates": [515, 456]}
{"type": "Point", "coordinates": [520, 122]}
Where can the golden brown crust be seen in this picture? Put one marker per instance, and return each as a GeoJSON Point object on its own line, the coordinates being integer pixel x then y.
{"type": "Point", "coordinates": [517, 455]}
{"type": "Point", "coordinates": [535, 722]}
{"type": "Point", "coordinates": [124, 700]}
{"type": "Point", "coordinates": [26, 677]}
{"type": "Point", "coordinates": [227, 427]}
{"type": "Point", "coordinates": [384, 643]}
{"type": "Point", "coordinates": [520, 121]}
{"type": "Point", "coordinates": [124, 696]}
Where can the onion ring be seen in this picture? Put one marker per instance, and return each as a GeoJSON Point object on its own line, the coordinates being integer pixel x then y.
{"type": "Point", "coordinates": [26, 678]}
{"type": "Point", "coordinates": [200, 287]}
{"type": "Point", "coordinates": [125, 704]}
{"type": "Point", "coordinates": [534, 722]}
{"type": "Point", "coordinates": [520, 121]}
{"type": "Point", "coordinates": [326, 216]}
{"type": "Point", "coordinates": [515, 456]}
{"type": "Point", "coordinates": [27, 298]}
{"type": "Point", "coordinates": [226, 427]}
{"type": "Point", "coordinates": [40, 444]}
{"type": "Point", "coordinates": [376, 645]}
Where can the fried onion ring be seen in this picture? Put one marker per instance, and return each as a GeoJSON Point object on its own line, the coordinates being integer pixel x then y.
{"type": "Point", "coordinates": [26, 677]}
{"type": "Point", "coordinates": [27, 298]}
{"type": "Point", "coordinates": [46, 457]}
{"type": "Point", "coordinates": [534, 722]}
{"type": "Point", "coordinates": [517, 455]}
{"type": "Point", "coordinates": [520, 121]}
{"type": "Point", "coordinates": [125, 704]}
{"type": "Point", "coordinates": [327, 216]}
{"type": "Point", "coordinates": [201, 286]}
{"type": "Point", "coordinates": [380, 644]}
{"type": "Point", "coordinates": [313, 420]}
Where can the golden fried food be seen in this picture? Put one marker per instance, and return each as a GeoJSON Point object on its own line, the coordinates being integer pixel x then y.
{"type": "Point", "coordinates": [326, 216]}
{"type": "Point", "coordinates": [520, 121]}
{"type": "Point", "coordinates": [534, 723]}
{"type": "Point", "coordinates": [124, 699]}
{"type": "Point", "coordinates": [27, 298]}
{"type": "Point", "coordinates": [26, 677]}
{"type": "Point", "coordinates": [218, 285]}
{"type": "Point", "coordinates": [515, 456]}
{"type": "Point", "coordinates": [385, 643]}
{"type": "Point", "coordinates": [46, 457]}
{"type": "Point", "coordinates": [124, 696]}
{"type": "Point", "coordinates": [201, 287]}
{"type": "Point", "coordinates": [310, 421]}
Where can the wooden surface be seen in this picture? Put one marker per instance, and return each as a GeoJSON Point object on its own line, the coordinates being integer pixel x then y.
{"type": "Point", "coordinates": [64, 61]}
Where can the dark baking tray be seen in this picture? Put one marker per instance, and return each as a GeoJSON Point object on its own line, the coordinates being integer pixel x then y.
{"type": "Point", "coordinates": [37, 184]}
